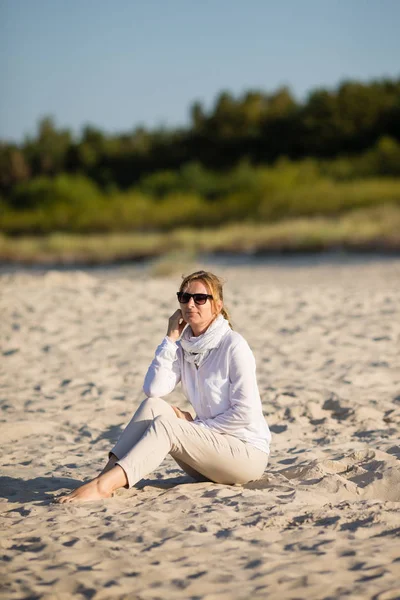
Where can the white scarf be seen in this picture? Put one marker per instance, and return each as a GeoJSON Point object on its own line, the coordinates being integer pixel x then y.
{"type": "Point", "coordinates": [196, 349]}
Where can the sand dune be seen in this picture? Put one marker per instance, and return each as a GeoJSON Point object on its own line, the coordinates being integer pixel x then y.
{"type": "Point", "coordinates": [323, 522]}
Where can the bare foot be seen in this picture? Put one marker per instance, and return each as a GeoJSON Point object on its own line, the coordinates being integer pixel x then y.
{"type": "Point", "coordinates": [86, 493]}
{"type": "Point", "coordinates": [101, 487]}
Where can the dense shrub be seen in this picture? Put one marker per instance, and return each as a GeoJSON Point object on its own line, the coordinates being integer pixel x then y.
{"type": "Point", "coordinates": [195, 197]}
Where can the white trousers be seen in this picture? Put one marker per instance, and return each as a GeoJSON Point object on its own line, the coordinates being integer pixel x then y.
{"type": "Point", "coordinates": [155, 431]}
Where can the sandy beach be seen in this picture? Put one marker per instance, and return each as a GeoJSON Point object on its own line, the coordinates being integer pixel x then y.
{"type": "Point", "coordinates": [323, 522]}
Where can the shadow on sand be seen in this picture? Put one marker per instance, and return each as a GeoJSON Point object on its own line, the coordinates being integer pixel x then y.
{"type": "Point", "coordinates": [43, 490]}
{"type": "Point", "coordinates": [39, 489]}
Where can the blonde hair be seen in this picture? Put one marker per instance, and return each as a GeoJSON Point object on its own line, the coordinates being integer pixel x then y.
{"type": "Point", "coordinates": [214, 286]}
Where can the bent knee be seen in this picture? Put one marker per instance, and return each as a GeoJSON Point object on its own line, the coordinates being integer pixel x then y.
{"type": "Point", "coordinates": [152, 407]}
{"type": "Point", "coordinates": [153, 401]}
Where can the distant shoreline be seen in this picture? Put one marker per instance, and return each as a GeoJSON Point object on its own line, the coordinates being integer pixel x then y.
{"type": "Point", "coordinates": [339, 255]}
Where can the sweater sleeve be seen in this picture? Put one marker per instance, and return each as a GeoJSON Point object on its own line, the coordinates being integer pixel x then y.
{"type": "Point", "coordinates": [164, 374]}
{"type": "Point", "coordinates": [243, 393]}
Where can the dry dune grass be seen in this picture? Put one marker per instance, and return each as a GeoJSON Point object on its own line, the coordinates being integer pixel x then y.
{"type": "Point", "coordinates": [373, 228]}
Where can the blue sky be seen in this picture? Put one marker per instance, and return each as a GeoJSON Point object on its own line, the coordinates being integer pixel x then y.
{"type": "Point", "coordinates": [123, 63]}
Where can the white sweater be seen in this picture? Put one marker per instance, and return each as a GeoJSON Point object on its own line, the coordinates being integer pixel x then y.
{"type": "Point", "coordinates": [223, 390]}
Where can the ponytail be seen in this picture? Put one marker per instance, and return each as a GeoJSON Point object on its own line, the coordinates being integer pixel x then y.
{"type": "Point", "coordinates": [226, 316]}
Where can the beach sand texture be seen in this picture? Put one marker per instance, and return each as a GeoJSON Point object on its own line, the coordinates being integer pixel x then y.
{"type": "Point", "coordinates": [324, 520]}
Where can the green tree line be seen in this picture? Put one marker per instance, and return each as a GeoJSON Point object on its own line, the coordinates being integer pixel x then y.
{"type": "Point", "coordinates": [257, 126]}
{"type": "Point", "coordinates": [256, 157]}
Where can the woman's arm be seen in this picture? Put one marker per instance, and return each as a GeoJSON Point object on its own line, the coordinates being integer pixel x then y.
{"type": "Point", "coordinates": [164, 373]}
{"type": "Point", "coordinates": [243, 393]}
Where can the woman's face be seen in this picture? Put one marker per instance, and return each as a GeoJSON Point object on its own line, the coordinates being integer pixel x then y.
{"type": "Point", "coordinates": [199, 316]}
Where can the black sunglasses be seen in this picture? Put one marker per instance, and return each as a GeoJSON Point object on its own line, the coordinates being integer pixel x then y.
{"type": "Point", "coordinates": [184, 297]}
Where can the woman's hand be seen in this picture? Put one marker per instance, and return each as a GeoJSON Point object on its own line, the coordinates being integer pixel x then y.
{"type": "Point", "coordinates": [176, 325]}
{"type": "Point", "coordinates": [182, 414]}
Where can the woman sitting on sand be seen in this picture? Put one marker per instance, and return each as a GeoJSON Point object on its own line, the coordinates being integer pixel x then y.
{"type": "Point", "coordinates": [228, 440]}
